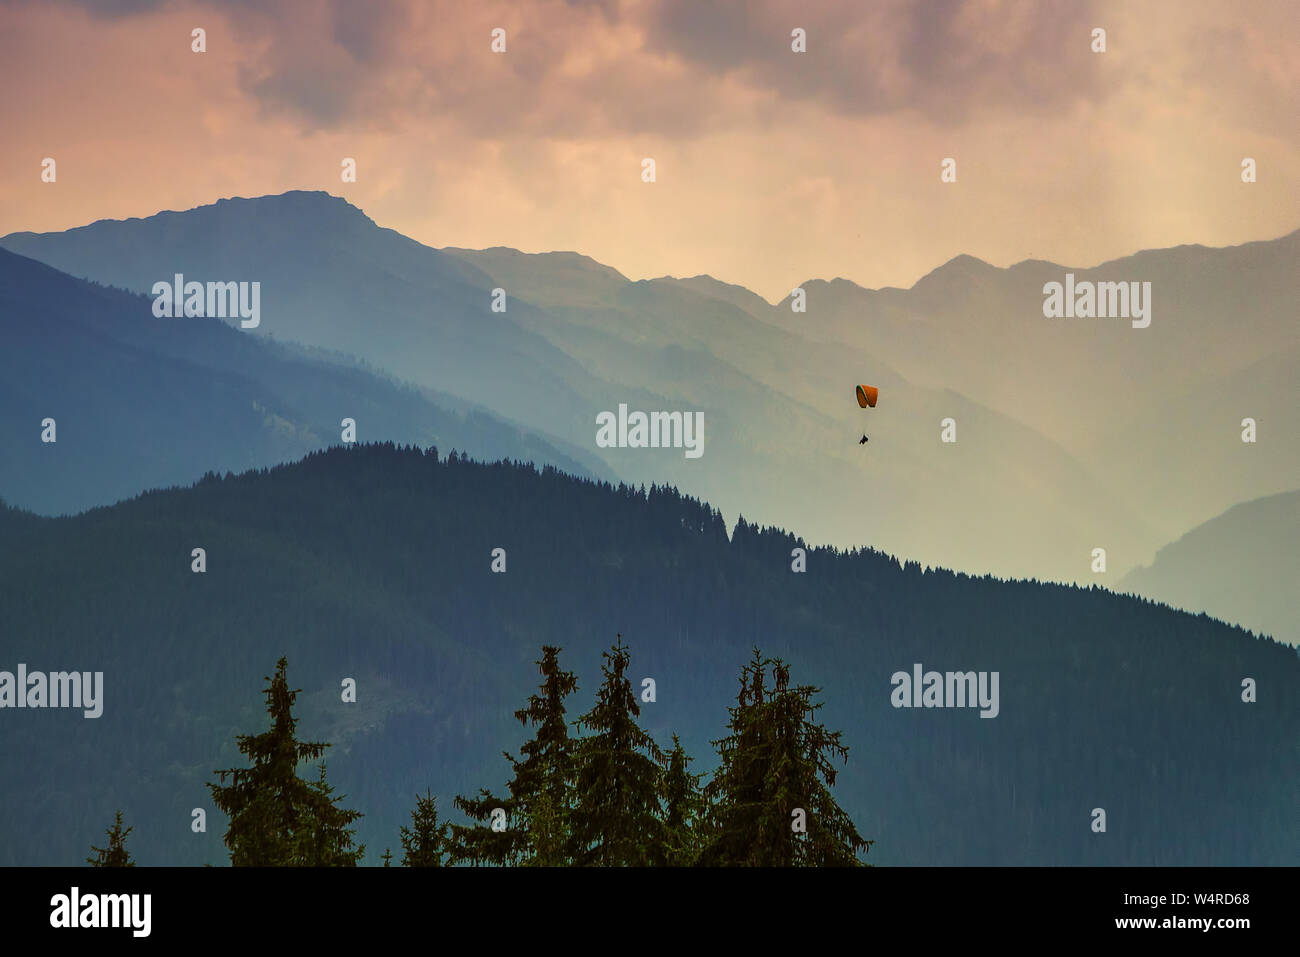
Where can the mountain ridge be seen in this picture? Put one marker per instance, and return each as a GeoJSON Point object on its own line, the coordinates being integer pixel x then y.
{"type": "Point", "coordinates": [97, 361]}
{"type": "Point", "coordinates": [964, 260]}
{"type": "Point", "coordinates": [574, 338]}
{"type": "Point", "coordinates": [1217, 567]}
{"type": "Point", "coordinates": [386, 552]}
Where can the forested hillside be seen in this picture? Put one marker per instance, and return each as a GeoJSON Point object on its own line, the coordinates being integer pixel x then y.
{"type": "Point", "coordinates": [375, 563]}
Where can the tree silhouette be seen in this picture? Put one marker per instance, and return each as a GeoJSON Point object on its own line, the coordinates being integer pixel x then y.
{"type": "Point", "coordinates": [276, 818]}
{"type": "Point", "coordinates": [327, 840]}
{"type": "Point", "coordinates": [776, 761]}
{"type": "Point", "coordinates": [683, 805]}
{"type": "Point", "coordinates": [422, 842]}
{"type": "Point", "coordinates": [618, 820]}
{"type": "Point", "coordinates": [115, 854]}
{"type": "Point", "coordinates": [540, 792]}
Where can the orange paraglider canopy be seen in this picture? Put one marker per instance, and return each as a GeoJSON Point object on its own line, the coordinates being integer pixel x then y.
{"type": "Point", "coordinates": [867, 395]}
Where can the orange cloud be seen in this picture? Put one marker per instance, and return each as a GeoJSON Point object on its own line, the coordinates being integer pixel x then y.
{"type": "Point", "coordinates": [774, 167]}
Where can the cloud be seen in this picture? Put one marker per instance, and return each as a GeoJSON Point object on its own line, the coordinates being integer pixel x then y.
{"type": "Point", "coordinates": [773, 166]}
{"type": "Point", "coordinates": [110, 9]}
{"type": "Point", "coordinates": [573, 68]}
{"type": "Point", "coordinates": [687, 68]}
{"type": "Point", "coordinates": [947, 59]}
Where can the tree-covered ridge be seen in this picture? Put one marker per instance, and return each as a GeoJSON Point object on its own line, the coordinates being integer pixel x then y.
{"type": "Point", "coordinates": [375, 563]}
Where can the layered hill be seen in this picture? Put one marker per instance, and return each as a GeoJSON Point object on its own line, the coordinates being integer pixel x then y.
{"type": "Point", "coordinates": [1155, 413]}
{"type": "Point", "coordinates": [576, 338]}
{"type": "Point", "coordinates": [139, 402]}
{"type": "Point", "coordinates": [1240, 566]}
{"type": "Point", "coordinates": [374, 563]}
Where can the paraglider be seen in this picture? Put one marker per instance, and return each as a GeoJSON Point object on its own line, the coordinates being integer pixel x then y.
{"type": "Point", "coordinates": [867, 396]}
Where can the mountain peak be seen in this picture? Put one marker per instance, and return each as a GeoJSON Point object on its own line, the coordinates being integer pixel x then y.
{"type": "Point", "coordinates": [314, 207]}
{"type": "Point", "coordinates": [711, 288]}
{"type": "Point", "coordinates": [299, 198]}
{"type": "Point", "coordinates": [965, 264]}
{"type": "Point", "coordinates": [316, 203]}
{"type": "Point", "coordinates": [957, 276]}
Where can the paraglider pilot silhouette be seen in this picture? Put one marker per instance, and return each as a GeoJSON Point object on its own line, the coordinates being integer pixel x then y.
{"type": "Point", "coordinates": [867, 396]}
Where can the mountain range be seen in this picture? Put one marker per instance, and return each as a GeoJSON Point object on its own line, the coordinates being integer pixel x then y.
{"type": "Point", "coordinates": [1071, 435]}
{"type": "Point", "coordinates": [1239, 566]}
{"type": "Point", "coordinates": [139, 402]}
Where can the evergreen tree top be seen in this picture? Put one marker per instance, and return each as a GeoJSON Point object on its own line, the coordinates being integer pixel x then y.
{"type": "Point", "coordinates": [776, 762]}
{"type": "Point", "coordinates": [539, 792]}
{"type": "Point", "coordinates": [276, 817]}
{"type": "Point", "coordinates": [115, 854]}
{"type": "Point", "coordinates": [618, 818]}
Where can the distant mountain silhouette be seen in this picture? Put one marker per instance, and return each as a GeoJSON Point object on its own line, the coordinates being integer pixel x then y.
{"type": "Point", "coordinates": [1002, 498]}
{"type": "Point", "coordinates": [140, 402]}
{"type": "Point", "coordinates": [333, 279]}
{"type": "Point", "coordinates": [1068, 431]}
{"type": "Point", "coordinates": [374, 563]}
{"type": "Point", "coordinates": [1240, 566]}
{"type": "Point", "coordinates": [1136, 406]}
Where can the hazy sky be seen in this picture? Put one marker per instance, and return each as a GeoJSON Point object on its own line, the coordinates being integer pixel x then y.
{"type": "Point", "coordinates": [772, 166]}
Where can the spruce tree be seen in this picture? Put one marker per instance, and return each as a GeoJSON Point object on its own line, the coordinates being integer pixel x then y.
{"type": "Point", "coordinates": [115, 854]}
{"type": "Point", "coordinates": [777, 759]}
{"type": "Point", "coordinates": [617, 820]}
{"type": "Point", "coordinates": [735, 794]}
{"type": "Point", "coordinates": [387, 857]}
{"type": "Point", "coordinates": [683, 806]}
{"type": "Point", "coordinates": [422, 842]}
{"type": "Point", "coordinates": [539, 793]}
{"type": "Point", "coordinates": [326, 840]}
{"type": "Point", "coordinates": [547, 832]}
{"type": "Point", "coordinates": [277, 819]}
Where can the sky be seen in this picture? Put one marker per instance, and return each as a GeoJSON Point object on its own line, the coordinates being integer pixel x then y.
{"type": "Point", "coordinates": [771, 167]}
